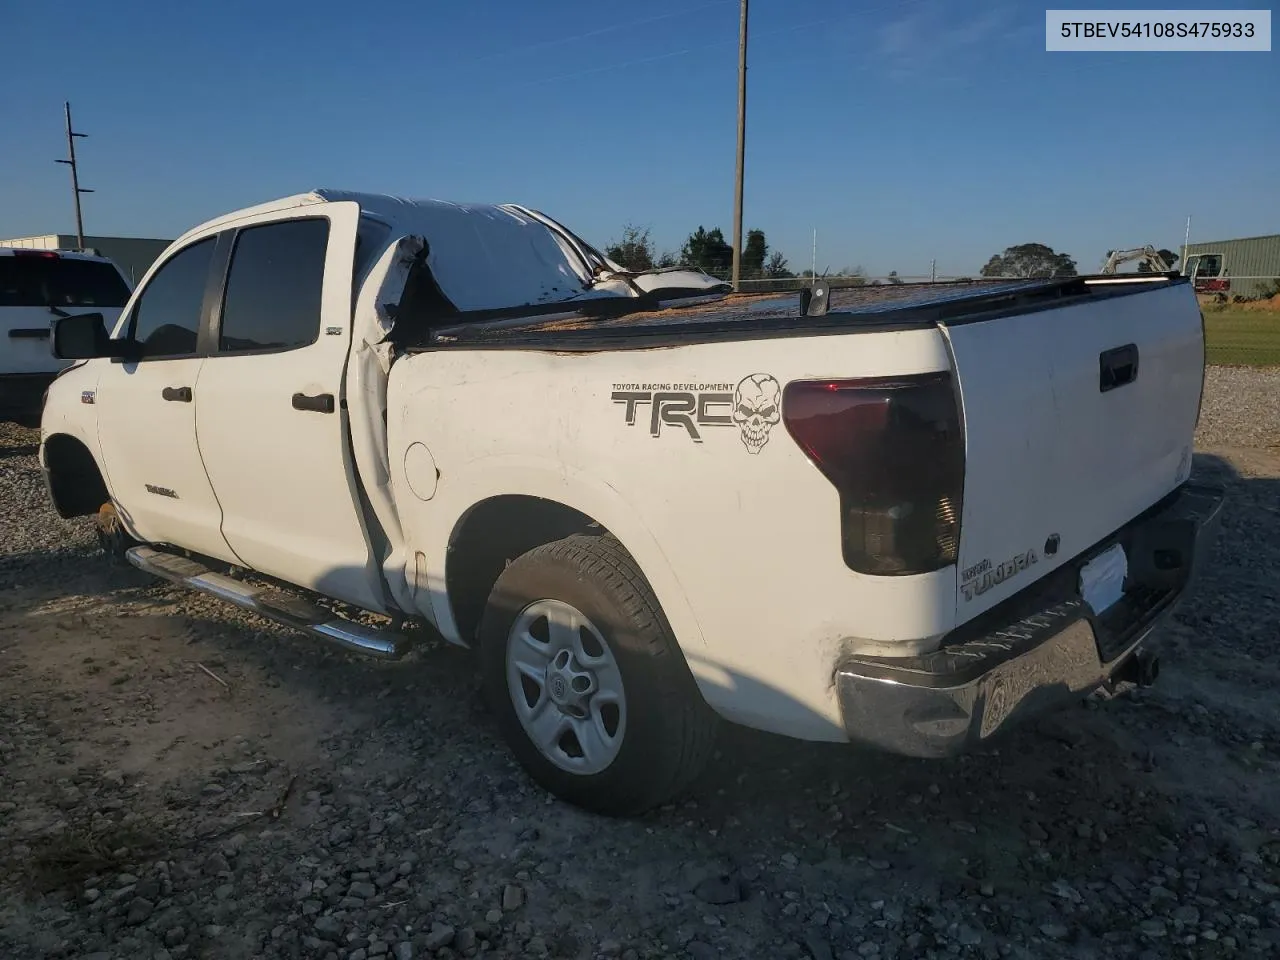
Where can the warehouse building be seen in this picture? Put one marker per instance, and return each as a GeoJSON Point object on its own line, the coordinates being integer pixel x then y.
{"type": "Point", "coordinates": [133, 255]}
{"type": "Point", "coordinates": [1248, 267]}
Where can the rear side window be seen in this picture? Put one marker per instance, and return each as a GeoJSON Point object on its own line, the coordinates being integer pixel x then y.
{"type": "Point", "coordinates": [166, 318]}
{"type": "Point", "coordinates": [32, 280]}
{"type": "Point", "coordinates": [1209, 265]}
{"type": "Point", "coordinates": [274, 287]}
{"type": "Point", "coordinates": [371, 237]}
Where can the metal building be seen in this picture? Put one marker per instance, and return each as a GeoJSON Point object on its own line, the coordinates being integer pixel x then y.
{"type": "Point", "coordinates": [1239, 268]}
{"type": "Point", "coordinates": [132, 254]}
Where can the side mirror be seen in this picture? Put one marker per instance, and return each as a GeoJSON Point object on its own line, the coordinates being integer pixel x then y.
{"type": "Point", "coordinates": [84, 336]}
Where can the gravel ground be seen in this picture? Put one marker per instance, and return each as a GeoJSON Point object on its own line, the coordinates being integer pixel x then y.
{"type": "Point", "coordinates": [1241, 406]}
{"type": "Point", "coordinates": [184, 780]}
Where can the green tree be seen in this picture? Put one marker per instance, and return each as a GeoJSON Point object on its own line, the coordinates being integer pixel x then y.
{"type": "Point", "coordinates": [1028, 260]}
{"type": "Point", "coordinates": [707, 250]}
{"type": "Point", "coordinates": [853, 276]}
{"type": "Point", "coordinates": [753, 254]}
{"type": "Point", "coordinates": [776, 266]}
{"type": "Point", "coordinates": [634, 251]}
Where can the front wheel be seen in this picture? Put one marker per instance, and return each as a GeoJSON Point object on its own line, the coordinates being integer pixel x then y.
{"type": "Point", "coordinates": [588, 682]}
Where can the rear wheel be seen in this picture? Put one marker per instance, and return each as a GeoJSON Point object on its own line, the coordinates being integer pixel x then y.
{"type": "Point", "coordinates": [589, 685]}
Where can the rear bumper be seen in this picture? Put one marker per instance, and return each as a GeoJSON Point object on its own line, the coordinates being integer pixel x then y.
{"type": "Point", "coordinates": [22, 394]}
{"type": "Point", "coordinates": [1041, 649]}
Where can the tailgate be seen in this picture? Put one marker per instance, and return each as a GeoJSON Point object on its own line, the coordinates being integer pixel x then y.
{"type": "Point", "coordinates": [1067, 438]}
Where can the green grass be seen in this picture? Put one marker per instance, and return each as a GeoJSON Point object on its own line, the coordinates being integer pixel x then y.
{"type": "Point", "coordinates": [1242, 337]}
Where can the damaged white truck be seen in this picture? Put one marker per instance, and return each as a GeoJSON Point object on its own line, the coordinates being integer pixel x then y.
{"type": "Point", "coordinates": [901, 516]}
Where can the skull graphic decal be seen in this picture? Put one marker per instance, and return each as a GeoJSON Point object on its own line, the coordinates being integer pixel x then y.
{"type": "Point", "coordinates": [755, 409]}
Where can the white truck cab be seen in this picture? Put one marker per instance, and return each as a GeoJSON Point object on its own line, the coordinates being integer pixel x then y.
{"type": "Point", "coordinates": [37, 287]}
{"type": "Point", "coordinates": [905, 517]}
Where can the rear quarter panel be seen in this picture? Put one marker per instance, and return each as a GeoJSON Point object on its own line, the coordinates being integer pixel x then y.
{"type": "Point", "coordinates": [742, 549]}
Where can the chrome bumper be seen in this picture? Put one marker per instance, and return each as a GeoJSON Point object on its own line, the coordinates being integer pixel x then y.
{"type": "Point", "coordinates": [1035, 652]}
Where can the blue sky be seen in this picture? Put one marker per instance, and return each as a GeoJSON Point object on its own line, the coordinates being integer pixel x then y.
{"type": "Point", "coordinates": [902, 131]}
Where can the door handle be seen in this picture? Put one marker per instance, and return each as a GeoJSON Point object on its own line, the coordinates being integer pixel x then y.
{"type": "Point", "coordinates": [320, 403]}
{"type": "Point", "coordinates": [1117, 366]}
{"type": "Point", "coordinates": [29, 333]}
{"type": "Point", "coordinates": [181, 394]}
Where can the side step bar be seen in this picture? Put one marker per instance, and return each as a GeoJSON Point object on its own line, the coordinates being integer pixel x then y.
{"type": "Point", "coordinates": [275, 604]}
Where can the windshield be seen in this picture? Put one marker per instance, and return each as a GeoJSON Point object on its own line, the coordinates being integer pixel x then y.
{"type": "Point", "coordinates": [36, 281]}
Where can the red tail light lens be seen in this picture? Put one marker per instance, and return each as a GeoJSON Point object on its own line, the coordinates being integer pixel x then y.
{"type": "Point", "coordinates": [41, 254]}
{"type": "Point", "coordinates": [894, 450]}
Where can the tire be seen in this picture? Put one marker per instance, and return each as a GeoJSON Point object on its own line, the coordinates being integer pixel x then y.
{"type": "Point", "coordinates": [663, 730]}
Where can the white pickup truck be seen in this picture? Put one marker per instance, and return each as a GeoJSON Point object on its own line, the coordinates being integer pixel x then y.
{"type": "Point", "coordinates": [901, 516]}
{"type": "Point", "coordinates": [37, 286]}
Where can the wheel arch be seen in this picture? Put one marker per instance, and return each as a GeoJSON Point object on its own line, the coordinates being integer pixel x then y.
{"type": "Point", "coordinates": [75, 482]}
{"type": "Point", "coordinates": [499, 525]}
{"type": "Point", "coordinates": [492, 533]}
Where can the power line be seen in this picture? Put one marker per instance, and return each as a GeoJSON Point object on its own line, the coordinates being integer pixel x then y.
{"type": "Point", "coordinates": [76, 189]}
{"type": "Point", "coordinates": [742, 134]}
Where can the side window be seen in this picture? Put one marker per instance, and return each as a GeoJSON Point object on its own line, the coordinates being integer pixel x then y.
{"type": "Point", "coordinates": [371, 238]}
{"type": "Point", "coordinates": [273, 289]}
{"type": "Point", "coordinates": [166, 318]}
{"type": "Point", "coordinates": [1204, 265]}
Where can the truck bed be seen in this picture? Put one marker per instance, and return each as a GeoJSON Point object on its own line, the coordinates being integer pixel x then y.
{"type": "Point", "coordinates": [599, 323]}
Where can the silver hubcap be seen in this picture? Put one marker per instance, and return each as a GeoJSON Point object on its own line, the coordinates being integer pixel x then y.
{"type": "Point", "coordinates": [566, 687]}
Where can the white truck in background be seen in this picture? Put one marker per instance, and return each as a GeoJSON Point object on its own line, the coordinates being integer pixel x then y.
{"type": "Point", "coordinates": [36, 287]}
{"type": "Point", "coordinates": [901, 516]}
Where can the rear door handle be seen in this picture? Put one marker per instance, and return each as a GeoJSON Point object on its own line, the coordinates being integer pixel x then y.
{"type": "Point", "coordinates": [320, 403]}
{"type": "Point", "coordinates": [180, 394]}
{"type": "Point", "coordinates": [1117, 366]}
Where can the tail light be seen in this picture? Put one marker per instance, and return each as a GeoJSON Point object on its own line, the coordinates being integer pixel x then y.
{"type": "Point", "coordinates": [894, 450]}
{"type": "Point", "coordinates": [40, 254]}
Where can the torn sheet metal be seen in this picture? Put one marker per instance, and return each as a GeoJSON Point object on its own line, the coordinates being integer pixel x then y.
{"type": "Point", "coordinates": [367, 370]}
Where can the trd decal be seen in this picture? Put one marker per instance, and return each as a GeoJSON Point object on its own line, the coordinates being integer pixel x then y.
{"type": "Point", "coordinates": [752, 405]}
{"type": "Point", "coordinates": [686, 405]}
{"type": "Point", "coordinates": [161, 491]}
{"type": "Point", "coordinates": [980, 577]}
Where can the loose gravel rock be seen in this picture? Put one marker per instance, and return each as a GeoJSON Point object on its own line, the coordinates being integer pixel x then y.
{"type": "Point", "coordinates": [323, 806]}
{"type": "Point", "coordinates": [1241, 407]}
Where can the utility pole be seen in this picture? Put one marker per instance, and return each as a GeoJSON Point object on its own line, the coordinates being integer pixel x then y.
{"type": "Point", "coordinates": [742, 140]}
{"type": "Point", "coordinates": [76, 189]}
{"type": "Point", "coordinates": [813, 265]}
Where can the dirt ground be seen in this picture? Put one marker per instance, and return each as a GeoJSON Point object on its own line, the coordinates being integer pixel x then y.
{"type": "Point", "coordinates": [180, 779]}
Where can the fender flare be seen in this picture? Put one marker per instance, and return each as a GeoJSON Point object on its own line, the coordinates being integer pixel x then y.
{"type": "Point", "coordinates": [482, 480]}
